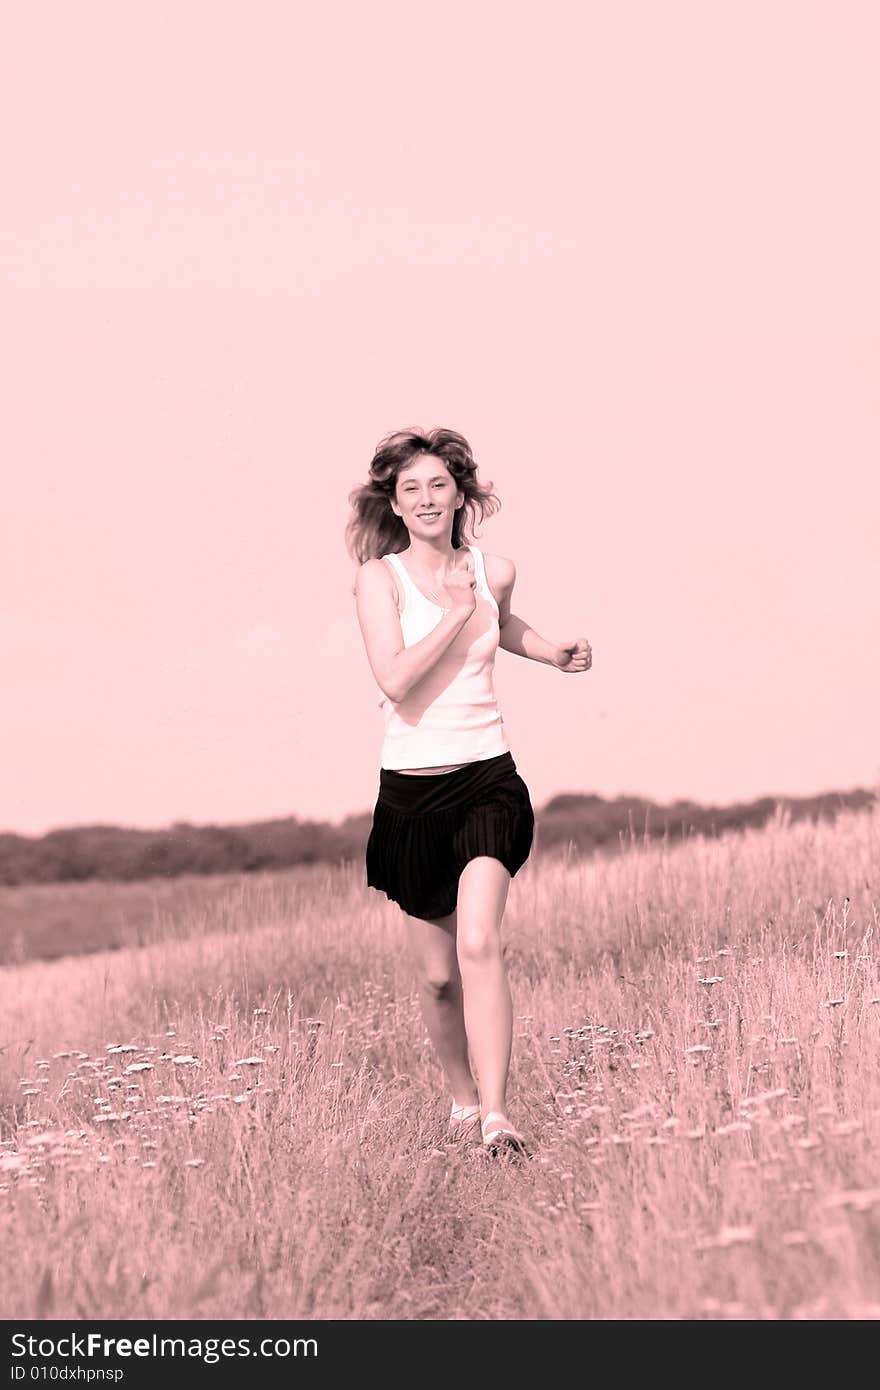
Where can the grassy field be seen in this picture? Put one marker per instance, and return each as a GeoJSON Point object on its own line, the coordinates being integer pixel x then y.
{"type": "Point", "coordinates": [240, 1117]}
{"type": "Point", "coordinates": [44, 921]}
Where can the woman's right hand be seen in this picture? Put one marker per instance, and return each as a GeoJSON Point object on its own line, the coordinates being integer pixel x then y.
{"type": "Point", "coordinates": [461, 586]}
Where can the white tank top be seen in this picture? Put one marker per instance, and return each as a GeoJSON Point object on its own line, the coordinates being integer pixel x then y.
{"type": "Point", "coordinates": [451, 715]}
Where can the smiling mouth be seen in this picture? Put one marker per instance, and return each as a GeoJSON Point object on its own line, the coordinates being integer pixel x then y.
{"type": "Point", "coordinates": [428, 516]}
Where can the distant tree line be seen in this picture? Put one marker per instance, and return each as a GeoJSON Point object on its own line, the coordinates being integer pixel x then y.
{"type": "Point", "coordinates": [567, 823]}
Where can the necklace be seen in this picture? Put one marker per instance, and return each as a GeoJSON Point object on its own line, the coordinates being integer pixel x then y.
{"type": "Point", "coordinates": [435, 597]}
{"type": "Point", "coordinates": [443, 609]}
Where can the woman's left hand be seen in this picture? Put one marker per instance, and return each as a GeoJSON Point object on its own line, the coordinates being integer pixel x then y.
{"type": "Point", "coordinates": [575, 656]}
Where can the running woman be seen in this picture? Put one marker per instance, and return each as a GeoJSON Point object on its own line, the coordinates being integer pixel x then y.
{"type": "Point", "coordinates": [453, 821]}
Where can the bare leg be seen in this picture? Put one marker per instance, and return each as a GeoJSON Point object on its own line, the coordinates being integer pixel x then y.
{"type": "Point", "coordinates": [440, 994]}
{"type": "Point", "coordinates": [488, 1009]}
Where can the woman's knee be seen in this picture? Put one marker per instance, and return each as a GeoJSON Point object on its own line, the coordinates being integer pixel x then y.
{"type": "Point", "coordinates": [432, 943]}
{"type": "Point", "coordinates": [478, 943]}
{"type": "Point", "coordinates": [439, 979]}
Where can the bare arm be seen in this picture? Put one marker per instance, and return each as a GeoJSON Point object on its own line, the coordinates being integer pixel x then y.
{"type": "Point", "coordinates": [516, 636]}
{"type": "Point", "coordinates": [522, 640]}
{"type": "Point", "coordinates": [395, 667]}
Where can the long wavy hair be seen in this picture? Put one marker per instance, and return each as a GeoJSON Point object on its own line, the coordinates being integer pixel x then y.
{"type": "Point", "coordinates": [374, 529]}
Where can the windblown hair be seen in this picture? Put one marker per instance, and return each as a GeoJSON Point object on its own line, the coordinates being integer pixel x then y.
{"type": "Point", "coordinates": [374, 529]}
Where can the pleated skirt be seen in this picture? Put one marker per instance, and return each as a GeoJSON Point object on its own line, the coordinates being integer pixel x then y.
{"type": "Point", "coordinates": [427, 826]}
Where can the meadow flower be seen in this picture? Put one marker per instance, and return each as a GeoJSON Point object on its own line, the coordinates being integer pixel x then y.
{"type": "Point", "coordinates": [727, 1236]}
{"type": "Point", "coordinates": [794, 1238]}
{"type": "Point", "coordinates": [860, 1199]}
{"type": "Point", "coordinates": [763, 1096]}
{"type": "Point", "coordinates": [48, 1137]}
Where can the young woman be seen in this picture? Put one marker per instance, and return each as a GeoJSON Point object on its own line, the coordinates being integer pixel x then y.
{"type": "Point", "coordinates": [453, 822]}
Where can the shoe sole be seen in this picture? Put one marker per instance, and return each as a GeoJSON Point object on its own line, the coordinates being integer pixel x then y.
{"type": "Point", "coordinates": [506, 1144]}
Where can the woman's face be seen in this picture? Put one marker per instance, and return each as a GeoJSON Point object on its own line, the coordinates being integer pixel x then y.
{"type": "Point", "coordinates": [426, 496]}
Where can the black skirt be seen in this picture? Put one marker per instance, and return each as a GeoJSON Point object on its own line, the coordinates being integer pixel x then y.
{"type": "Point", "coordinates": [427, 826]}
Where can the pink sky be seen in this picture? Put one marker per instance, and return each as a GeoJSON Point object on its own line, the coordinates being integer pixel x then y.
{"type": "Point", "coordinates": [628, 250]}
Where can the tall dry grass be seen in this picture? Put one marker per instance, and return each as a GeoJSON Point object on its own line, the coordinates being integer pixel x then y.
{"type": "Point", "coordinates": [243, 1119]}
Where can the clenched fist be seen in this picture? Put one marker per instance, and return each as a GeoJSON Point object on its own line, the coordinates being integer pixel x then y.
{"type": "Point", "coordinates": [575, 656]}
{"type": "Point", "coordinates": [459, 588]}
